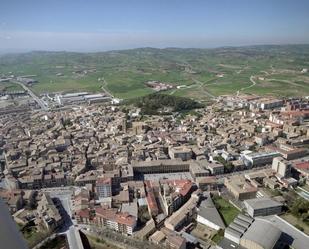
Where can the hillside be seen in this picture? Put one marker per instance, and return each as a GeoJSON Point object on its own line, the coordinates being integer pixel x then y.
{"type": "Point", "coordinates": [200, 73]}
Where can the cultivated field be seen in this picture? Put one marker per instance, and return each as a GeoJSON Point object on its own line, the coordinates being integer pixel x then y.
{"type": "Point", "coordinates": [201, 73]}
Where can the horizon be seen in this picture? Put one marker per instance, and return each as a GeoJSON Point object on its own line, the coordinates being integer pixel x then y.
{"type": "Point", "coordinates": [159, 48]}
{"type": "Point", "coordinates": [104, 26]}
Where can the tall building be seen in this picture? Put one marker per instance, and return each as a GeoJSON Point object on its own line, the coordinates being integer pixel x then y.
{"type": "Point", "coordinates": [104, 187]}
{"type": "Point", "coordinates": [281, 166]}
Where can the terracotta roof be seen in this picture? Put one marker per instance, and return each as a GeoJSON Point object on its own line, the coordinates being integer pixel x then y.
{"type": "Point", "coordinates": [84, 213]}
{"type": "Point", "coordinates": [302, 165]}
{"type": "Point", "coordinates": [125, 218]}
{"type": "Point", "coordinates": [151, 200]}
{"type": "Point", "coordinates": [104, 181]}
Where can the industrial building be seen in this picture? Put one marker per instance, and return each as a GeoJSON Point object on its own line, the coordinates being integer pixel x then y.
{"type": "Point", "coordinates": [262, 207]}
{"type": "Point", "coordinates": [245, 232]}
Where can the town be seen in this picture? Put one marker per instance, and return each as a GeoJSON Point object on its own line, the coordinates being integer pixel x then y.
{"type": "Point", "coordinates": [231, 174]}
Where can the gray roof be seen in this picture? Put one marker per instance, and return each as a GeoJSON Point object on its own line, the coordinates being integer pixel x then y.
{"type": "Point", "coordinates": [241, 222]}
{"type": "Point", "coordinates": [245, 218]}
{"type": "Point", "coordinates": [208, 211]}
{"type": "Point", "coordinates": [232, 232]}
{"type": "Point", "coordinates": [260, 203]}
{"type": "Point", "coordinates": [262, 233]}
{"type": "Point", "coordinates": [228, 244]}
{"type": "Point", "coordinates": [237, 227]}
{"type": "Point", "coordinates": [9, 234]}
{"type": "Point", "coordinates": [299, 239]}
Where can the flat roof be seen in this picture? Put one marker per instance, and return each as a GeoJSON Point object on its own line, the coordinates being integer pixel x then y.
{"type": "Point", "coordinates": [261, 203]}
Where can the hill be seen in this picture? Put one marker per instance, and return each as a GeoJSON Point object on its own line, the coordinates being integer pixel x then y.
{"type": "Point", "coordinates": [198, 73]}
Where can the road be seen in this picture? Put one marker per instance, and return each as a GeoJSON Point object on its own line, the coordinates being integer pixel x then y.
{"type": "Point", "coordinates": [105, 90]}
{"type": "Point", "coordinates": [201, 86]}
{"type": "Point", "coordinates": [69, 229]}
{"type": "Point", "coordinates": [247, 87]}
{"type": "Point", "coordinates": [40, 102]}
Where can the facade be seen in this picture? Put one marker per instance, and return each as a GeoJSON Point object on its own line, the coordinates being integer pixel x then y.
{"type": "Point", "coordinates": [104, 187]}
{"type": "Point", "coordinates": [215, 168]}
{"type": "Point", "coordinates": [258, 159]}
{"type": "Point", "coordinates": [114, 220]}
{"type": "Point", "coordinates": [240, 187]}
{"type": "Point", "coordinates": [180, 152]}
{"type": "Point", "coordinates": [160, 166]}
{"type": "Point", "coordinates": [183, 214]}
{"type": "Point", "coordinates": [281, 166]}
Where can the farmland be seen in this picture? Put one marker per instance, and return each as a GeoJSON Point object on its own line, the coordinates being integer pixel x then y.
{"type": "Point", "coordinates": [198, 73]}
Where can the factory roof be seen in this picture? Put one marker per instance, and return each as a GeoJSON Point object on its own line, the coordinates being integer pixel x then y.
{"type": "Point", "coordinates": [260, 203]}
{"type": "Point", "coordinates": [262, 233]}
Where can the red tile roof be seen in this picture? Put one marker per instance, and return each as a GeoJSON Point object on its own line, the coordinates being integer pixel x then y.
{"type": "Point", "coordinates": [302, 165]}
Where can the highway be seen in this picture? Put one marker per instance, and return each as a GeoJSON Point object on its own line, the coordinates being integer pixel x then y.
{"type": "Point", "coordinates": [40, 102]}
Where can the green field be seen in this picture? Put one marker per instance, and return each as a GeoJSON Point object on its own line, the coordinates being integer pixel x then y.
{"type": "Point", "coordinates": [227, 211]}
{"type": "Point", "coordinates": [277, 70]}
{"type": "Point", "coordinates": [9, 87]}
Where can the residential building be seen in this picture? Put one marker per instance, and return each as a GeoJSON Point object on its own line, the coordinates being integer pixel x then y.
{"type": "Point", "coordinates": [240, 187]}
{"type": "Point", "coordinates": [104, 187]}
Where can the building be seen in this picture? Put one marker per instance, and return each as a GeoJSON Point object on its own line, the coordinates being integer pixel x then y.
{"type": "Point", "coordinates": [209, 216]}
{"type": "Point", "coordinates": [153, 208]}
{"type": "Point", "coordinates": [174, 193]}
{"type": "Point", "coordinates": [262, 207]}
{"type": "Point", "coordinates": [49, 215]}
{"type": "Point", "coordinates": [160, 166]}
{"type": "Point", "coordinates": [181, 152]}
{"type": "Point", "coordinates": [237, 228]}
{"type": "Point", "coordinates": [197, 170]}
{"type": "Point", "coordinates": [281, 166]}
{"type": "Point", "coordinates": [183, 214]}
{"type": "Point", "coordinates": [245, 232]}
{"type": "Point", "coordinates": [259, 159]}
{"type": "Point", "coordinates": [104, 187]}
{"type": "Point", "coordinates": [173, 240]}
{"type": "Point", "coordinates": [207, 183]}
{"type": "Point", "coordinates": [270, 104]}
{"type": "Point", "coordinates": [146, 231]}
{"type": "Point", "coordinates": [215, 167]}
{"type": "Point", "coordinates": [289, 152]}
{"type": "Point", "coordinates": [121, 222]}
{"type": "Point", "coordinates": [240, 187]}
{"type": "Point", "coordinates": [261, 234]}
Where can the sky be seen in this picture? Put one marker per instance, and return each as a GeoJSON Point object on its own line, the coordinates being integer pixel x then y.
{"type": "Point", "coordinates": [100, 25]}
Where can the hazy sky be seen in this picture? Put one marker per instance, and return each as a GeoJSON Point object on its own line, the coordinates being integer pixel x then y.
{"type": "Point", "coordinates": [92, 25]}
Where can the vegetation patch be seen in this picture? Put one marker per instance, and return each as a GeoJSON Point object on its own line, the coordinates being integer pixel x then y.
{"type": "Point", "coordinates": [227, 211]}
{"type": "Point", "coordinates": [165, 104]}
